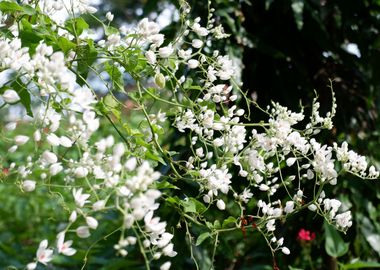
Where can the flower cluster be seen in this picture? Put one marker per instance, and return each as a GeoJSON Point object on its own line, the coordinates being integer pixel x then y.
{"type": "Point", "coordinates": [278, 160]}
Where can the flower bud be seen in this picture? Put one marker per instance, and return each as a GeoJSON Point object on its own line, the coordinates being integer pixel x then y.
{"type": "Point", "coordinates": [159, 80]}
{"type": "Point", "coordinates": [99, 205]}
{"type": "Point", "coordinates": [10, 96]}
{"type": "Point", "coordinates": [92, 222]}
{"type": "Point", "coordinates": [55, 169]}
{"type": "Point", "coordinates": [221, 205]}
{"type": "Point", "coordinates": [166, 266]}
{"type": "Point", "coordinates": [37, 135]}
{"type": "Point", "coordinates": [197, 43]}
{"type": "Point", "coordinates": [165, 52]}
{"type": "Point", "coordinates": [12, 149]}
{"type": "Point", "coordinates": [65, 142]}
{"type": "Point", "coordinates": [285, 250]}
{"type": "Point", "coordinates": [192, 63]}
{"type": "Point", "coordinates": [83, 232]}
{"type": "Point", "coordinates": [109, 16]}
{"type": "Point", "coordinates": [31, 266]}
{"type": "Point", "coordinates": [28, 185]}
{"type": "Point", "coordinates": [151, 57]}
{"type": "Point", "coordinates": [11, 126]}
{"type": "Point", "coordinates": [81, 172]}
{"type": "Point", "coordinates": [73, 216]}
{"type": "Point", "coordinates": [53, 139]}
{"type": "Point", "coordinates": [21, 139]}
{"type": "Point", "coordinates": [49, 157]}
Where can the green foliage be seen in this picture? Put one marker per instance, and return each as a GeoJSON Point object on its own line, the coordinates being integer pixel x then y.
{"type": "Point", "coordinates": [334, 244]}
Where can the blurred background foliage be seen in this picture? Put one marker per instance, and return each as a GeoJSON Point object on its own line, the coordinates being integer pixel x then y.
{"type": "Point", "coordinates": [287, 50]}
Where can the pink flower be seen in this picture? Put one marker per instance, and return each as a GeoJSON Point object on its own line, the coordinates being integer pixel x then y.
{"type": "Point", "coordinates": [305, 235]}
{"type": "Point", "coordinates": [44, 255]}
{"type": "Point", "coordinates": [64, 247]}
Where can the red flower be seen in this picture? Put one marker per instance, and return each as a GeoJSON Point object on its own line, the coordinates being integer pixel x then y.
{"type": "Point", "coordinates": [305, 235]}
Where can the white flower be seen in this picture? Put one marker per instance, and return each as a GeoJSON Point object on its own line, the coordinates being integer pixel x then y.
{"type": "Point", "coordinates": [92, 222]}
{"type": "Point", "coordinates": [153, 224]}
{"type": "Point", "coordinates": [165, 239]}
{"type": "Point", "coordinates": [37, 135]}
{"type": "Point", "coordinates": [99, 205]}
{"type": "Point", "coordinates": [65, 141]}
{"type": "Point", "coordinates": [271, 225]}
{"type": "Point", "coordinates": [157, 39]}
{"type": "Point", "coordinates": [221, 205]}
{"type": "Point", "coordinates": [197, 43]}
{"type": "Point", "coordinates": [264, 187]}
{"type": "Point", "coordinates": [80, 199]}
{"type": "Point", "coordinates": [10, 96]}
{"type": "Point", "coordinates": [113, 39]}
{"type": "Point", "coordinates": [11, 126]}
{"type": "Point", "coordinates": [151, 57]}
{"type": "Point", "coordinates": [147, 28]}
{"type": "Point", "coordinates": [81, 172]}
{"type": "Point", "coordinates": [199, 152]}
{"type": "Point", "coordinates": [201, 31]}
{"type": "Point", "coordinates": [44, 255]}
{"type": "Point", "coordinates": [344, 220]}
{"type": "Point", "coordinates": [131, 164]}
{"type": "Point", "coordinates": [12, 149]}
{"type": "Point", "coordinates": [31, 266]}
{"type": "Point", "coordinates": [312, 207]}
{"type": "Point", "coordinates": [290, 161]}
{"type": "Point", "coordinates": [21, 139]}
{"type": "Point", "coordinates": [49, 157]}
{"type": "Point", "coordinates": [246, 195]}
{"type": "Point", "coordinates": [206, 199]}
{"type": "Point", "coordinates": [285, 250]}
{"type": "Point", "coordinates": [109, 16]}
{"type": "Point", "coordinates": [165, 266]}
{"type": "Point", "coordinates": [165, 52]}
{"type": "Point", "coordinates": [28, 185]}
{"type": "Point", "coordinates": [192, 63]}
{"type": "Point", "coordinates": [64, 247]}
{"type": "Point", "coordinates": [53, 139]}
{"type": "Point", "coordinates": [73, 216]}
{"type": "Point", "coordinates": [55, 169]}
{"type": "Point", "coordinates": [289, 207]}
{"type": "Point", "coordinates": [83, 232]}
{"type": "Point", "coordinates": [168, 250]}
{"type": "Point", "coordinates": [90, 9]}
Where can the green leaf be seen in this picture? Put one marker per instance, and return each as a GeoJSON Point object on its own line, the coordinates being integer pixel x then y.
{"type": "Point", "coordinates": [115, 75]}
{"type": "Point", "coordinates": [217, 224]}
{"type": "Point", "coordinates": [65, 44]}
{"type": "Point", "coordinates": [228, 221]}
{"type": "Point", "coordinates": [202, 237]}
{"type": "Point", "coordinates": [86, 57]}
{"type": "Point", "coordinates": [29, 38]}
{"type": "Point", "coordinates": [173, 200]}
{"type": "Point", "coordinates": [360, 264]}
{"type": "Point", "coordinates": [154, 156]}
{"type": "Point", "coordinates": [193, 206]}
{"type": "Point", "coordinates": [7, 7]}
{"type": "Point", "coordinates": [189, 206]}
{"type": "Point", "coordinates": [110, 101]}
{"type": "Point", "coordinates": [109, 30]}
{"type": "Point", "coordinates": [334, 244]}
{"type": "Point", "coordinates": [76, 26]}
{"type": "Point", "coordinates": [21, 90]}
{"type": "Point", "coordinates": [165, 184]}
